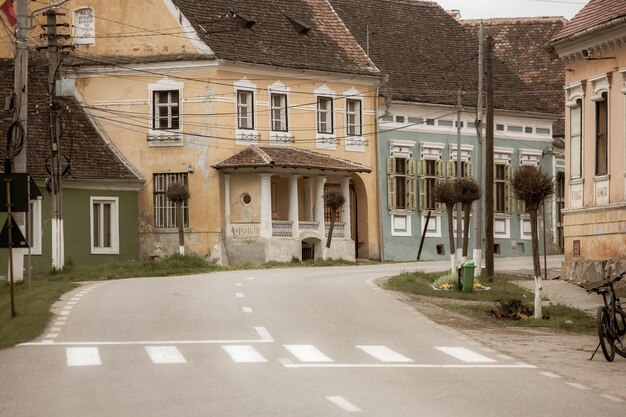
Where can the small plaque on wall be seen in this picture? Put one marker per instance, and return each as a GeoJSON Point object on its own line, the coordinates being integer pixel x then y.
{"type": "Point", "coordinates": [577, 248]}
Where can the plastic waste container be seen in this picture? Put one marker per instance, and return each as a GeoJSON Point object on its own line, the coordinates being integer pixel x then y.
{"type": "Point", "coordinates": [468, 276]}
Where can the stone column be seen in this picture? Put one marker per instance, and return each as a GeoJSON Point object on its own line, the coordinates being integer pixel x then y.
{"type": "Point", "coordinates": [266, 205]}
{"type": "Point", "coordinates": [308, 192]}
{"type": "Point", "coordinates": [346, 210]}
{"type": "Point", "coordinates": [227, 225]}
{"type": "Point", "coordinates": [320, 182]}
{"type": "Point", "coordinates": [293, 206]}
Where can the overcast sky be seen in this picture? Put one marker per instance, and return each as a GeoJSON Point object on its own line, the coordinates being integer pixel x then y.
{"type": "Point", "coordinates": [476, 9]}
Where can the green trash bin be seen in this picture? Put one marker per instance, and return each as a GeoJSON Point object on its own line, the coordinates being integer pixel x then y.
{"type": "Point", "coordinates": [468, 276]}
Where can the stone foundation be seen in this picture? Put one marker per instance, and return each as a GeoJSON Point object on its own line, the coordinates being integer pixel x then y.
{"type": "Point", "coordinates": [589, 273]}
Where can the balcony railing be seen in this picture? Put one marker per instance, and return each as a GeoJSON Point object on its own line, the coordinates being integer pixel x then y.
{"type": "Point", "coordinates": [282, 228]}
{"type": "Point", "coordinates": [309, 226]}
{"type": "Point", "coordinates": [339, 230]}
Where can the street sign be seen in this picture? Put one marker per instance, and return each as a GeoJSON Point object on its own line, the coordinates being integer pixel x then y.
{"type": "Point", "coordinates": [16, 236]}
{"type": "Point", "coordinates": [19, 191]}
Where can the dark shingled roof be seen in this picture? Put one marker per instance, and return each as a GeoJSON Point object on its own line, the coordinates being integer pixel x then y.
{"type": "Point", "coordinates": [91, 158]}
{"type": "Point", "coordinates": [428, 54]}
{"type": "Point", "coordinates": [266, 157]}
{"type": "Point", "coordinates": [299, 34]}
{"type": "Point", "coordinates": [595, 13]}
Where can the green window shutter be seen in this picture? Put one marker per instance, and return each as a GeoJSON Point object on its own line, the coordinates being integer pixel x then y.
{"type": "Point", "coordinates": [440, 207]}
{"type": "Point", "coordinates": [391, 165]}
{"type": "Point", "coordinates": [422, 191]}
{"type": "Point", "coordinates": [410, 187]}
{"type": "Point", "coordinates": [391, 192]}
{"type": "Point", "coordinates": [439, 168]}
{"type": "Point", "coordinates": [451, 169]}
{"type": "Point", "coordinates": [508, 190]}
{"type": "Point", "coordinates": [421, 168]}
{"type": "Point", "coordinates": [469, 169]}
{"type": "Point", "coordinates": [495, 191]}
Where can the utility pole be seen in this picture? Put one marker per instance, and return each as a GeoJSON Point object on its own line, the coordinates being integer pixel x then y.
{"type": "Point", "coordinates": [58, 256]}
{"type": "Point", "coordinates": [489, 215]}
{"type": "Point", "coordinates": [459, 174]}
{"type": "Point", "coordinates": [478, 225]}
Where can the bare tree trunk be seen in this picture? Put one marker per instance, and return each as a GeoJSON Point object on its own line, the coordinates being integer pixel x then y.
{"type": "Point", "coordinates": [536, 262]}
{"type": "Point", "coordinates": [449, 209]}
{"type": "Point", "coordinates": [181, 231]}
{"type": "Point", "coordinates": [330, 229]}
{"type": "Point", "coordinates": [466, 223]}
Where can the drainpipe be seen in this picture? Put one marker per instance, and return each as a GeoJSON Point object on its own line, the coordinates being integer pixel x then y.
{"type": "Point", "coordinates": [381, 245]}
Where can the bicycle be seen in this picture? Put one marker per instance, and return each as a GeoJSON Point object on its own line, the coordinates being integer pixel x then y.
{"type": "Point", "coordinates": [610, 320]}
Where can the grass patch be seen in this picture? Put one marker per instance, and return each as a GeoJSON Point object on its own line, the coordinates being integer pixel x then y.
{"type": "Point", "coordinates": [420, 283]}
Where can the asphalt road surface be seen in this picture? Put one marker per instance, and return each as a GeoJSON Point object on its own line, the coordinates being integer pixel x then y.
{"type": "Point", "coordinates": [316, 342]}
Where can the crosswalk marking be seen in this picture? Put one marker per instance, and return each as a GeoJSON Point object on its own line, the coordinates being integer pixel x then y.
{"type": "Point", "coordinates": [465, 355]}
{"type": "Point", "coordinates": [307, 353]}
{"type": "Point", "coordinates": [240, 295]}
{"type": "Point", "coordinates": [344, 404]}
{"type": "Point", "coordinates": [384, 354]}
{"type": "Point", "coordinates": [246, 309]}
{"type": "Point", "coordinates": [82, 356]}
{"type": "Point", "coordinates": [243, 353]}
{"type": "Point", "coordinates": [165, 354]}
{"type": "Point", "coordinates": [264, 334]}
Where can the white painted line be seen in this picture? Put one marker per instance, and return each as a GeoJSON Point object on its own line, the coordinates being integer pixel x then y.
{"type": "Point", "coordinates": [76, 298]}
{"type": "Point", "coordinates": [246, 309]}
{"type": "Point", "coordinates": [64, 312]}
{"type": "Point", "coordinates": [52, 335]}
{"type": "Point", "coordinates": [405, 365]}
{"type": "Point", "coordinates": [243, 354]}
{"type": "Point", "coordinates": [55, 329]}
{"type": "Point", "coordinates": [612, 398]}
{"type": "Point", "coordinates": [384, 354]}
{"type": "Point", "coordinates": [47, 342]}
{"type": "Point", "coordinates": [488, 350]}
{"type": "Point", "coordinates": [307, 353]}
{"type": "Point", "coordinates": [59, 323]}
{"type": "Point", "coordinates": [68, 308]}
{"type": "Point", "coordinates": [549, 375]}
{"type": "Point", "coordinates": [264, 334]}
{"type": "Point", "coordinates": [82, 356]}
{"type": "Point", "coordinates": [250, 278]}
{"type": "Point", "coordinates": [61, 318]}
{"type": "Point", "coordinates": [505, 357]}
{"type": "Point", "coordinates": [344, 404]}
{"type": "Point", "coordinates": [153, 342]}
{"type": "Point", "coordinates": [579, 386]}
{"type": "Point", "coordinates": [165, 354]}
{"type": "Point", "coordinates": [71, 303]}
{"type": "Point", "coordinates": [239, 284]}
{"type": "Point", "coordinates": [240, 295]}
{"type": "Point", "coordinates": [465, 355]}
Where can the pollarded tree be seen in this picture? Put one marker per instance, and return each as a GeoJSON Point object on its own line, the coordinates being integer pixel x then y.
{"type": "Point", "coordinates": [334, 200]}
{"type": "Point", "coordinates": [532, 185]}
{"type": "Point", "coordinates": [178, 194]}
{"type": "Point", "coordinates": [445, 192]}
{"type": "Point", "coordinates": [468, 191]}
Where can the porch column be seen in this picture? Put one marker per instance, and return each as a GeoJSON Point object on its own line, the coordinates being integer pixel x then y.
{"type": "Point", "coordinates": [308, 207]}
{"type": "Point", "coordinates": [346, 210]}
{"type": "Point", "coordinates": [319, 204]}
{"type": "Point", "coordinates": [229, 229]}
{"type": "Point", "coordinates": [266, 206]}
{"type": "Point", "coordinates": [293, 206]}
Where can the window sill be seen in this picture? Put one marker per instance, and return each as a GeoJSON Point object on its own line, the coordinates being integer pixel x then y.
{"type": "Point", "coordinates": [105, 251]}
{"type": "Point", "coordinates": [165, 230]}
{"type": "Point", "coordinates": [604, 177]}
{"type": "Point", "coordinates": [578, 180]}
{"type": "Point", "coordinates": [157, 138]}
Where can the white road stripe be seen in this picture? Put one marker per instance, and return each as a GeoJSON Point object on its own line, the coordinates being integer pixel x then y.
{"type": "Point", "coordinates": [55, 329]}
{"type": "Point", "coordinates": [405, 365]}
{"type": "Point", "coordinates": [465, 355]}
{"type": "Point", "coordinates": [83, 356]}
{"type": "Point", "coordinates": [64, 312]}
{"type": "Point", "coordinates": [152, 342]}
{"type": "Point", "coordinates": [307, 353]}
{"type": "Point", "coordinates": [264, 334]}
{"type": "Point", "coordinates": [71, 303]}
{"type": "Point", "coordinates": [59, 323]}
{"type": "Point", "coordinates": [246, 309]}
{"type": "Point", "coordinates": [239, 284]}
{"type": "Point", "coordinates": [579, 386]}
{"type": "Point", "coordinates": [68, 308]}
{"type": "Point", "coordinates": [505, 357]}
{"type": "Point", "coordinates": [550, 375]}
{"type": "Point", "coordinates": [384, 354]}
{"type": "Point", "coordinates": [165, 354]}
{"type": "Point", "coordinates": [52, 335]}
{"type": "Point", "coordinates": [240, 295]}
{"type": "Point", "coordinates": [76, 298]}
{"type": "Point", "coordinates": [250, 278]}
{"type": "Point", "coordinates": [61, 318]}
{"type": "Point", "coordinates": [243, 354]}
{"type": "Point", "coordinates": [344, 404]}
{"type": "Point", "coordinates": [612, 398]}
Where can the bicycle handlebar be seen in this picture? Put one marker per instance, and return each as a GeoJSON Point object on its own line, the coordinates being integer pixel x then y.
{"type": "Point", "coordinates": [602, 288]}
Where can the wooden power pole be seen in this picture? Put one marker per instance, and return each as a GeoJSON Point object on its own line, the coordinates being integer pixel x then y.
{"type": "Point", "coordinates": [489, 215]}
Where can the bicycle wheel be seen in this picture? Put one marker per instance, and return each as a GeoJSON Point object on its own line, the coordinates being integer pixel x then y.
{"type": "Point", "coordinates": [619, 343]}
{"type": "Point", "coordinates": [604, 333]}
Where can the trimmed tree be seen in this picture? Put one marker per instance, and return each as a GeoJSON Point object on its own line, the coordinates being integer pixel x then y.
{"type": "Point", "coordinates": [468, 191]}
{"type": "Point", "coordinates": [532, 185]}
{"type": "Point", "coordinates": [334, 200]}
{"type": "Point", "coordinates": [445, 192]}
{"type": "Point", "coordinates": [178, 193]}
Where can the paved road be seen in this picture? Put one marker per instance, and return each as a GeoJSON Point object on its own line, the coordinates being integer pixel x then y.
{"type": "Point", "coordinates": [297, 342]}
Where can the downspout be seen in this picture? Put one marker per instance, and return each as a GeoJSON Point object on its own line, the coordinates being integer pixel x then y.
{"type": "Point", "coordinates": [381, 245]}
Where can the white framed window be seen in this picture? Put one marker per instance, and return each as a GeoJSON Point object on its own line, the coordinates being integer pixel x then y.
{"type": "Point", "coordinates": [354, 126]}
{"type": "Point", "coordinates": [325, 115]}
{"type": "Point", "coordinates": [165, 108]}
{"type": "Point", "coordinates": [467, 169]}
{"type": "Point", "coordinates": [502, 172]}
{"type": "Point", "coordinates": [325, 119]}
{"type": "Point", "coordinates": [576, 143]}
{"type": "Point", "coordinates": [164, 208]}
{"type": "Point", "coordinates": [279, 112]}
{"type": "Point", "coordinates": [84, 26]}
{"type": "Point", "coordinates": [430, 169]}
{"type": "Point", "coordinates": [401, 224]}
{"type": "Point", "coordinates": [531, 157]}
{"type": "Point", "coordinates": [602, 132]}
{"type": "Point", "coordinates": [525, 230]}
{"type": "Point", "coordinates": [245, 110]}
{"type": "Point", "coordinates": [245, 120]}
{"type": "Point", "coordinates": [401, 183]}
{"type": "Point", "coordinates": [35, 226]}
{"type": "Point", "coordinates": [104, 221]}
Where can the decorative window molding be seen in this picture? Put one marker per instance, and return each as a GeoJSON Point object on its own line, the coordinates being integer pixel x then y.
{"type": "Point", "coordinates": [599, 85]}
{"type": "Point", "coordinates": [431, 150]}
{"type": "Point", "coordinates": [35, 227]}
{"type": "Point", "coordinates": [530, 157]}
{"type": "Point", "coordinates": [401, 149]}
{"type": "Point", "coordinates": [84, 26]}
{"type": "Point", "coordinates": [466, 152]}
{"type": "Point", "coordinates": [166, 109]}
{"type": "Point", "coordinates": [355, 141]}
{"type": "Point", "coordinates": [245, 106]}
{"type": "Point", "coordinates": [325, 118]}
{"type": "Point", "coordinates": [502, 227]}
{"type": "Point", "coordinates": [622, 72]}
{"type": "Point", "coordinates": [401, 224]}
{"type": "Point", "coordinates": [278, 98]}
{"type": "Point", "coordinates": [104, 225]}
{"type": "Point", "coordinates": [502, 155]}
{"type": "Point", "coordinates": [525, 230]}
{"type": "Point", "coordinates": [434, 225]}
{"type": "Point", "coordinates": [574, 92]}
{"type": "Point", "coordinates": [164, 208]}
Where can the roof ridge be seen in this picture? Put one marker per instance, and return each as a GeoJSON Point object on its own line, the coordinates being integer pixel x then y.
{"type": "Point", "coordinates": [530, 19]}
{"type": "Point", "coordinates": [262, 154]}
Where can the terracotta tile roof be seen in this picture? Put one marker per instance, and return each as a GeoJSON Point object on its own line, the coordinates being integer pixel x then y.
{"type": "Point", "coordinates": [595, 13]}
{"type": "Point", "coordinates": [266, 157]}
{"type": "Point", "coordinates": [299, 34]}
{"type": "Point", "coordinates": [91, 158]}
{"type": "Point", "coordinates": [427, 54]}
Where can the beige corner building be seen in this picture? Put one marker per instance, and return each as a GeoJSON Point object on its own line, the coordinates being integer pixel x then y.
{"type": "Point", "coordinates": [593, 46]}
{"type": "Point", "coordinates": [257, 107]}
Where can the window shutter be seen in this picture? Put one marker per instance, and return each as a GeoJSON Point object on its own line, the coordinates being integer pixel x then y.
{"type": "Point", "coordinates": [508, 190]}
{"type": "Point", "coordinates": [439, 169]}
{"type": "Point", "coordinates": [391, 192]}
{"type": "Point", "coordinates": [410, 187]}
{"type": "Point", "coordinates": [391, 165]}
{"type": "Point", "coordinates": [440, 207]}
{"type": "Point", "coordinates": [469, 169]}
{"type": "Point", "coordinates": [421, 168]}
{"type": "Point", "coordinates": [410, 167]}
{"type": "Point", "coordinates": [521, 206]}
{"type": "Point", "coordinates": [451, 169]}
{"type": "Point", "coordinates": [422, 191]}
